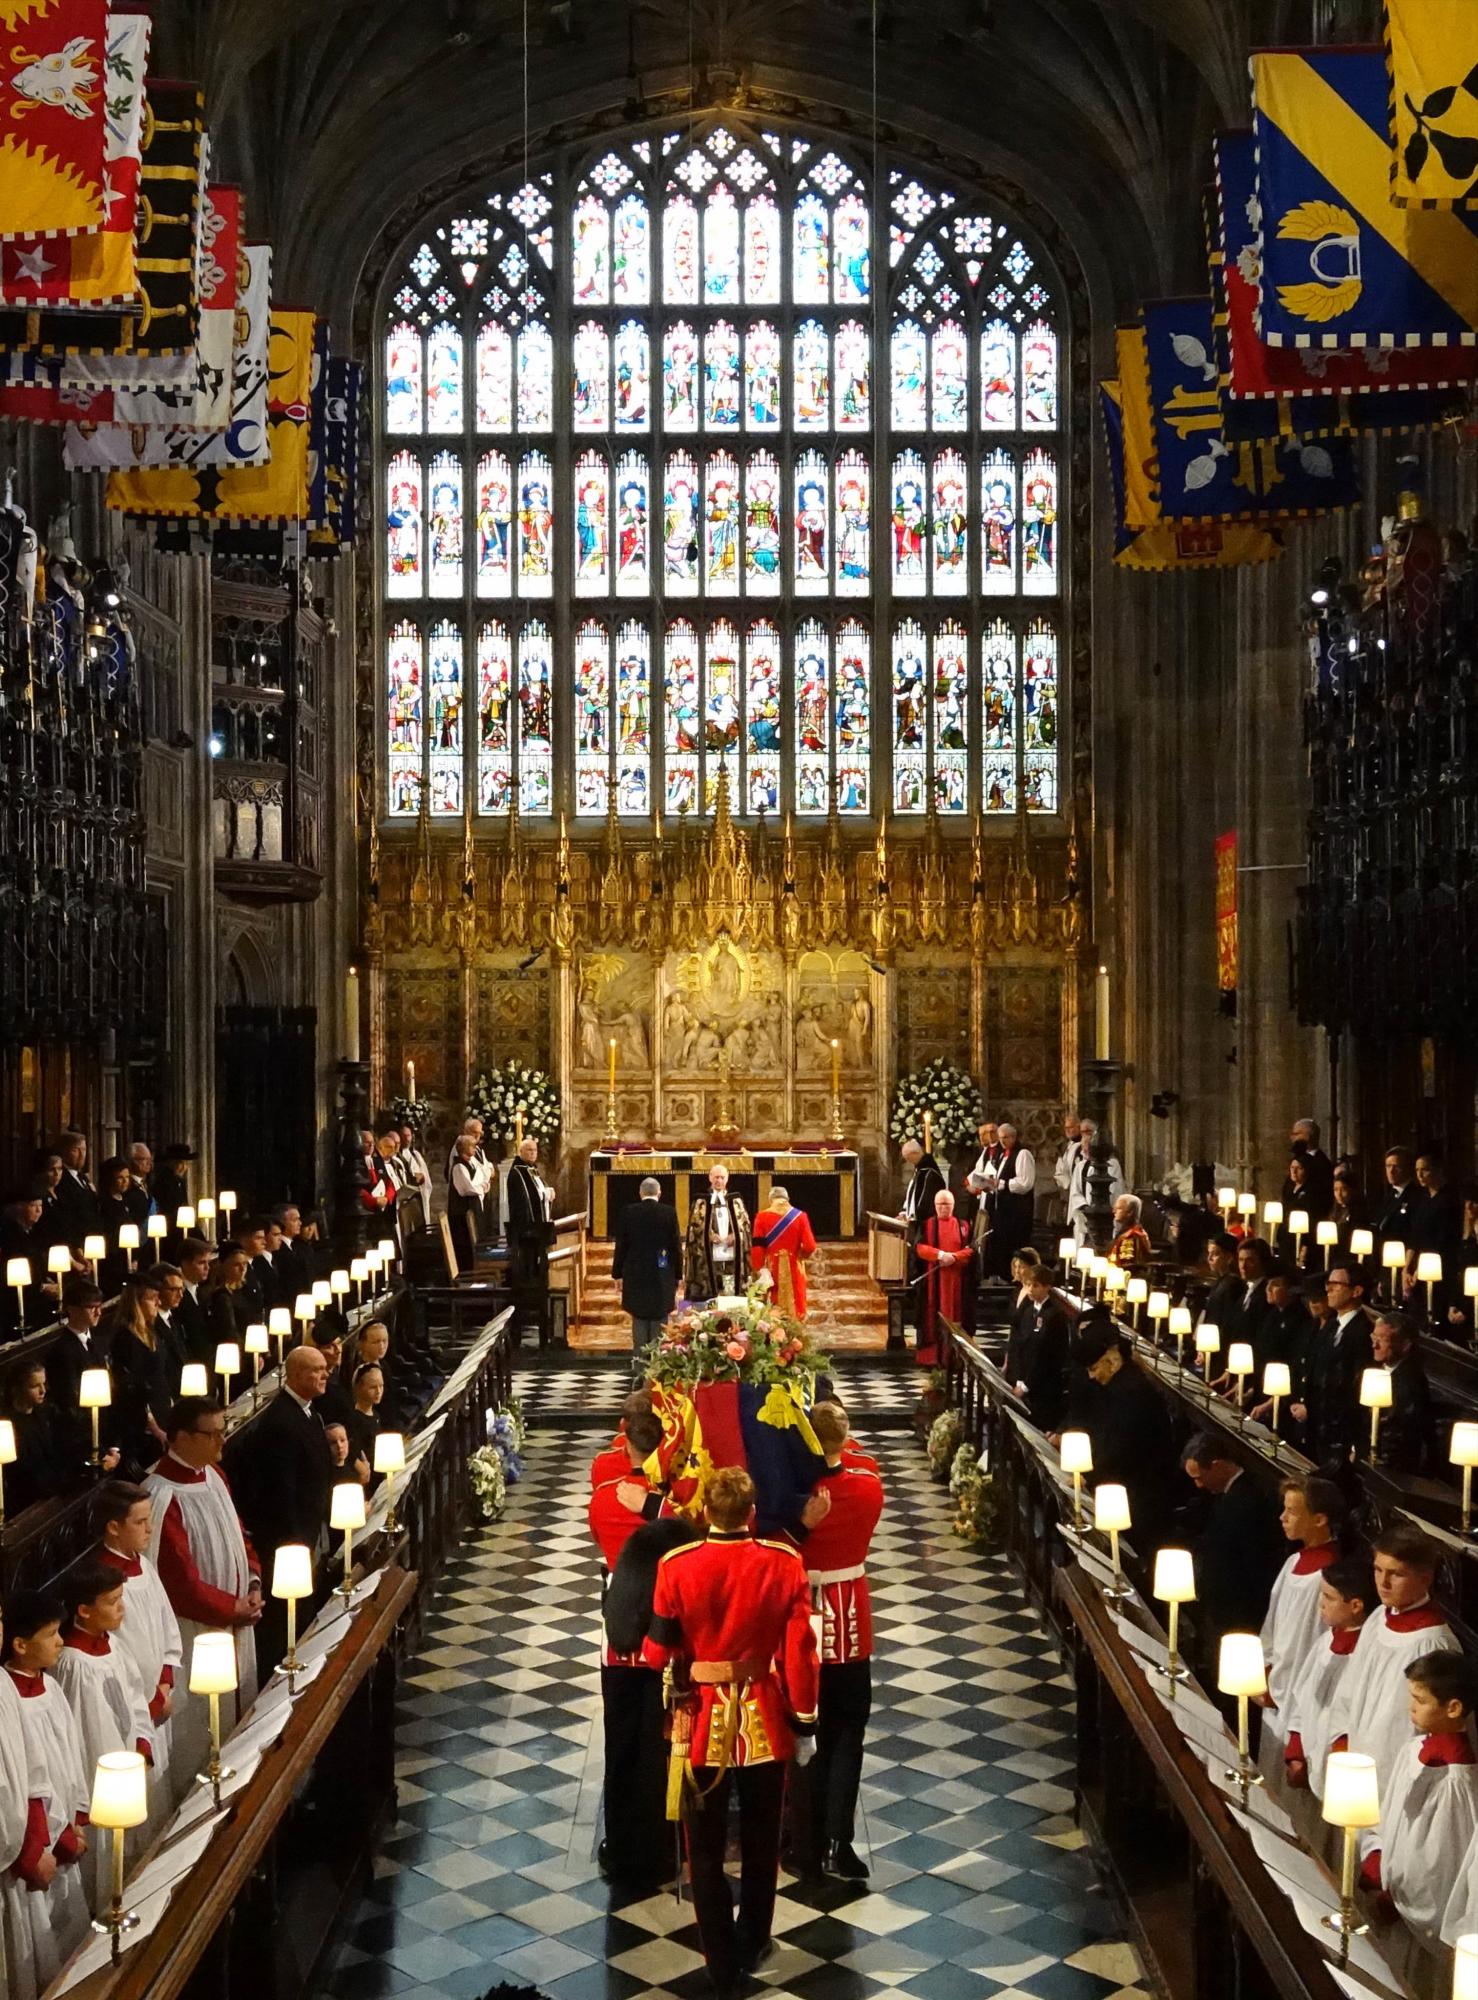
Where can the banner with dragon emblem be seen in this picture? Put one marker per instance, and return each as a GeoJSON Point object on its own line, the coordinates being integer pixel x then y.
{"type": "Point", "coordinates": [1432, 56]}
{"type": "Point", "coordinates": [1343, 266]}
{"type": "Point", "coordinates": [53, 102]}
{"type": "Point", "coordinates": [1202, 475]}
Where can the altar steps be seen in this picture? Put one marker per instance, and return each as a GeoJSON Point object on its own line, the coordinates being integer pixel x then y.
{"type": "Point", "coordinates": [848, 1312]}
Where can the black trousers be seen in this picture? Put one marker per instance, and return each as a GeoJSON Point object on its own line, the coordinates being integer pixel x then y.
{"type": "Point", "coordinates": [760, 1790]}
{"type": "Point", "coordinates": [841, 1725]}
{"type": "Point", "coordinates": [639, 1836]}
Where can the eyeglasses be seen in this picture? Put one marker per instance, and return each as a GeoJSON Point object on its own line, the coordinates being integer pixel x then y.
{"type": "Point", "coordinates": [216, 1431]}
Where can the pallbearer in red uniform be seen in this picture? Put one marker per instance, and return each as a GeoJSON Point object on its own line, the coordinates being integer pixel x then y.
{"type": "Point", "coordinates": [948, 1257]}
{"type": "Point", "coordinates": [783, 1240]}
{"type": "Point", "coordinates": [835, 1555]}
{"type": "Point", "coordinates": [732, 1616]}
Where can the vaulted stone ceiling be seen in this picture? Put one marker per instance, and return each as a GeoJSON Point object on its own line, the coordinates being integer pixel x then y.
{"type": "Point", "coordinates": [336, 114]}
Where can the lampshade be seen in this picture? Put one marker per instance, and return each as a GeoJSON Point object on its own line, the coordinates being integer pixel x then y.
{"type": "Point", "coordinates": [1240, 1358]}
{"type": "Point", "coordinates": [1084, 1259]}
{"type": "Point", "coordinates": [358, 1270]}
{"type": "Point", "coordinates": [387, 1248]}
{"type": "Point", "coordinates": [1393, 1254]}
{"type": "Point", "coordinates": [58, 1260]}
{"type": "Point", "coordinates": [256, 1341]}
{"type": "Point", "coordinates": [1429, 1267]}
{"type": "Point", "coordinates": [120, 1790]}
{"type": "Point", "coordinates": [213, 1663]}
{"type": "Point", "coordinates": [94, 1247]}
{"type": "Point", "coordinates": [1463, 1448]}
{"type": "Point", "coordinates": [338, 1283]}
{"type": "Point", "coordinates": [128, 1236]}
{"type": "Point", "coordinates": [1465, 1967]}
{"type": "Point", "coordinates": [17, 1270]}
{"type": "Point", "coordinates": [227, 1199]}
{"type": "Point", "coordinates": [1180, 1321]}
{"type": "Point", "coordinates": [1111, 1508]}
{"type": "Point", "coordinates": [1246, 1204]}
{"type": "Point", "coordinates": [1277, 1379]}
{"type": "Point", "coordinates": [1115, 1277]}
{"type": "Point", "coordinates": [1208, 1340]}
{"type": "Point", "coordinates": [1067, 1249]}
{"type": "Point", "coordinates": [292, 1570]}
{"type": "Point", "coordinates": [1076, 1452]}
{"type": "Point", "coordinates": [7, 1441]}
{"type": "Point", "coordinates": [1326, 1234]}
{"type": "Point", "coordinates": [1351, 1794]}
{"type": "Point", "coordinates": [303, 1306]}
{"type": "Point", "coordinates": [322, 1292]}
{"type": "Point", "coordinates": [194, 1380]}
{"type": "Point", "coordinates": [1298, 1221]}
{"type": "Point", "coordinates": [184, 1217]}
{"type": "Point", "coordinates": [156, 1228]}
{"type": "Point", "coordinates": [1362, 1242]}
{"type": "Point", "coordinates": [280, 1323]}
{"type": "Point", "coordinates": [1470, 1282]}
{"type": "Point", "coordinates": [389, 1452]}
{"type": "Point", "coordinates": [1175, 1576]}
{"type": "Point", "coordinates": [228, 1358]}
{"type": "Point", "coordinates": [1240, 1668]}
{"type": "Point", "coordinates": [1159, 1304]}
{"type": "Point", "coordinates": [346, 1505]}
{"type": "Point", "coordinates": [1272, 1213]}
{"type": "Point", "coordinates": [1225, 1197]}
{"type": "Point", "coordinates": [1098, 1269]}
{"type": "Point", "coordinates": [205, 1209]}
{"type": "Point", "coordinates": [1375, 1388]}
{"type": "Point", "coordinates": [96, 1391]}
{"type": "Point", "coordinates": [373, 1260]}
{"type": "Point", "coordinates": [1136, 1291]}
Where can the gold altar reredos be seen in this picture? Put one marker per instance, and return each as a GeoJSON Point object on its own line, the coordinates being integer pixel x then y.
{"type": "Point", "coordinates": [712, 948]}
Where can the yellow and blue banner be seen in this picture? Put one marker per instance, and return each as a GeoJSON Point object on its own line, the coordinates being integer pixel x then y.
{"type": "Point", "coordinates": [1172, 545]}
{"type": "Point", "coordinates": [1432, 57]}
{"type": "Point", "coordinates": [762, 1427]}
{"type": "Point", "coordinates": [1343, 266]}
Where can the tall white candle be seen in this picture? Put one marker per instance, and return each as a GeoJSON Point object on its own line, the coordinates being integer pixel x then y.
{"type": "Point", "coordinates": [1101, 1015]}
{"type": "Point", "coordinates": [351, 1014]}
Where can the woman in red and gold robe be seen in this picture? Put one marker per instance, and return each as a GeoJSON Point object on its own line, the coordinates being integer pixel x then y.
{"type": "Point", "coordinates": [945, 1248]}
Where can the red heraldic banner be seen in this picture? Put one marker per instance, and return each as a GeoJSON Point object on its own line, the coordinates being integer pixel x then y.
{"type": "Point", "coordinates": [1226, 912]}
{"type": "Point", "coordinates": [53, 106]}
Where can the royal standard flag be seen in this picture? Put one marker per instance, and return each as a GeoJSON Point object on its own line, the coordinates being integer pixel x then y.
{"type": "Point", "coordinates": [1202, 475]}
{"type": "Point", "coordinates": [53, 105]}
{"type": "Point", "coordinates": [1432, 54]}
{"type": "Point", "coordinates": [1342, 264]}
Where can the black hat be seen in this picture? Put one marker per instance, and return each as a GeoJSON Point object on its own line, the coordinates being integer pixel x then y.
{"type": "Point", "coordinates": [177, 1152]}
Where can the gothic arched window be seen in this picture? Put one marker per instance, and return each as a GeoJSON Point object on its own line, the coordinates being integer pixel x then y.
{"type": "Point", "coordinates": [670, 485]}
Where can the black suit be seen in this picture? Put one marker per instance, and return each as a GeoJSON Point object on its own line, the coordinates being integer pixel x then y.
{"type": "Point", "coordinates": [530, 1230]}
{"type": "Point", "coordinates": [273, 1279]}
{"type": "Point", "coordinates": [1398, 1217]}
{"type": "Point", "coordinates": [281, 1470]}
{"type": "Point", "coordinates": [76, 1212]}
{"type": "Point", "coordinates": [1133, 1446]}
{"type": "Point", "coordinates": [1223, 1308]}
{"type": "Point", "coordinates": [65, 1360]}
{"type": "Point", "coordinates": [647, 1258]}
{"type": "Point", "coordinates": [1408, 1430]}
{"type": "Point", "coordinates": [1333, 1392]}
{"type": "Point", "coordinates": [1037, 1355]}
{"type": "Point", "coordinates": [1238, 1552]}
{"type": "Point", "coordinates": [1256, 1321]}
{"type": "Point", "coordinates": [918, 1201]}
{"type": "Point", "coordinates": [191, 1322]}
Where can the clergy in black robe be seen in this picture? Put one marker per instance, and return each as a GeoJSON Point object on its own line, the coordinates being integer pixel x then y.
{"type": "Point", "coordinates": [918, 1206]}
{"type": "Point", "coordinates": [530, 1225]}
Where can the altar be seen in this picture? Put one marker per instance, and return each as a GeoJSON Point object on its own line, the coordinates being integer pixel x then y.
{"type": "Point", "coordinates": [826, 1185]}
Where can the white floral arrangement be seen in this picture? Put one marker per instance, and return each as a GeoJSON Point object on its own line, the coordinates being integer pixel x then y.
{"type": "Point", "coordinates": [1180, 1182]}
{"type": "Point", "coordinates": [489, 1482]}
{"type": "Point", "coordinates": [947, 1094]}
{"type": "Point", "coordinates": [499, 1095]}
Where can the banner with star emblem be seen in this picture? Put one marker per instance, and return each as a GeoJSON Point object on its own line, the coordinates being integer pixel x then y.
{"type": "Point", "coordinates": [1432, 57]}
{"type": "Point", "coordinates": [53, 101]}
{"type": "Point", "coordinates": [1202, 475]}
{"type": "Point", "coordinates": [96, 267]}
{"type": "Point", "coordinates": [1343, 266]}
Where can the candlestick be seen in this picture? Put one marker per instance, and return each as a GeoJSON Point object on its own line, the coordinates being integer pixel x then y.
{"type": "Point", "coordinates": [410, 1080]}
{"type": "Point", "coordinates": [611, 1093]}
{"type": "Point", "coordinates": [351, 1014]}
{"type": "Point", "coordinates": [929, 1132]}
{"type": "Point", "coordinates": [1101, 1015]}
{"type": "Point", "coordinates": [518, 1126]}
{"type": "Point", "coordinates": [836, 1088]}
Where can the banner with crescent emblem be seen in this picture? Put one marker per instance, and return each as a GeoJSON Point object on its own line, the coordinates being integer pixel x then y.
{"type": "Point", "coordinates": [1203, 476]}
{"type": "Point", "coordinates": [53, 108]}
{"type": "Point", "coordinates": [1432, 56]}
{"type": "Point", "coordinates": [334, 454]}
{"type": "Point", "coordinates": [1343, 266]}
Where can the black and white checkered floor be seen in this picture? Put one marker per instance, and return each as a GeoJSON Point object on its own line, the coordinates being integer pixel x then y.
{"type": "Point", "coordinates": [980, 1883]}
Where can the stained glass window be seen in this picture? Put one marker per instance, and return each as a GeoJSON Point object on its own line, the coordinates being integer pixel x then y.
{"type": "Point", "coordinates": [754, 522]}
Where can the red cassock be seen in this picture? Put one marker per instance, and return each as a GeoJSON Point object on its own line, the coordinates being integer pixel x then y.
{"type": "Point", "coordinates": [835, 1555]}
{"type": "Point", "coordinates": [736, 1602]}
{"type": "Point", "coordinates": [779, 1244]}
{"type": "Point", "coordinates": [944, 1284]}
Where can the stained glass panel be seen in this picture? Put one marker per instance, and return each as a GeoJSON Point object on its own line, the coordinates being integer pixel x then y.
{"type": "Point", "coordinates": [590, 261]}
{"type": "Point", "coordinates": [850, 272]}
{"type": "Point", "coordinates": [633, 376]}
{"type": "Point", "coordinates": [949, 358]}
{"type": "Point", "coordinates": [535, 526]}
{"type": "Point", "coordinates": [633, 547]}
{"type": "Point", "coordinates": [1039, 377]}
{"type": "Point", "coordinates": [633, 720]}
{"type": "Point", "coordinates": [853, 526]}
{"type": "Point", "coordinates": [404, 675]}
{"type": "Point", "coordinates": [762, 376]}
{"type": "Point", "coordinates": [951, 525]}
{"type": "Point", "coordinates": [910, 350]}
{"type": "Point", "coordinates": [1039, 691]}
{"type": "Point", "coordinates": [812, 377]}
{"type": "Point", "coordinates": [910, 718]}
{"type": "Point", "coordinates": [998, 689]}
{"type": "Point", "coordinates": [721, 376]}
{"type": "Point", "coordinates": [680, 252]}
{"type": "Point", "coordinates": [1039, 524]}
{"type": "Point", "coordinates": [810, 252]}
{"type": "Point", "coordinates": [494, 379]}
{"type": "Point", "coordinates": [681, 724]}
{"type": "Point", "coordinates": [535, 379]}
{"type": "Point", "coordinates": [631, 255]}
{"type": "Point", "coordinates": [494, 525]}
{"type": "Point", "coordinates": [592, 717]}
{"type": "Point", "coordinates": [762, 526]}
{"type": "Point", "coordinates": [812, 554]}
{"type": "Point", "coordinates": [590, 367]}
{"type": "Point", "coordinates": [721, 526]}
{"type": "Point", "coordinates": [720, 248]}
{"type": "Point", "coordinates": [680, 377]}
{"type": "Point", "coordinates": [762, 252]}
{"type": "Point", "coordinates": [444, 521]}
{"type": "Point", "coordinates": [998, 377]}
{"type": "Point", "coordinates": [445, 689]}
{"type": "Point", "coordinates": [680, 516]}
{"type": "Point", "coordinates": [910, 526]}
{"type": "Point", "coordinates": [403, 380]}
{"type": "Point", "coordinates": [853, 377]}
{"type": "Point", "coordinates": [404, 526]}
{"type": "Point", "coordinates": [444, 380]}
{"type": "Point", "coordinates": [721, 711]}
{"type": "Point", "coordinates": [998, 524]}
{"type": "Point", "coordinates": [853, 724]}
{"type": "Point", "coordinates": [812, 718]}
{"type": "Point", "coordinates": [762, 716]}
{"type": "Point", "coordinates": [592, 526]}
{"type": "Point", "coordinates": [494, 719]}
{"type": "Point", "coordinates": [535, 718]}
{"type": "Point", "coordinates": [951, 718]}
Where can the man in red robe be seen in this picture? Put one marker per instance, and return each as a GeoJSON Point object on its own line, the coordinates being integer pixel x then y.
{"type": "Point", "coordinates": [783, 1240]}
{"type": "Point", "coordinates": [948, 1256]}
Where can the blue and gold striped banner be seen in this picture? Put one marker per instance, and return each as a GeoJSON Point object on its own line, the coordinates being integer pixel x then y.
{"type": "Point", "coordinates": [1432, 56]}
{"type": "Point", "coordinates": [1172, 545]}
{"type": "Point", "coordinates": [1342, 265]}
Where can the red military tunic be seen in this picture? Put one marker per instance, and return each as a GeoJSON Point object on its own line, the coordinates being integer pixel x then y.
{"type": "Point", "coordinates": [612, 1524]}
{"type": "Point", "coordinates": [835, 1555]}
{"type": "Point", "coordinates": [735, 1600]}
{"type": "Point", "coordinates": [612, 1463]}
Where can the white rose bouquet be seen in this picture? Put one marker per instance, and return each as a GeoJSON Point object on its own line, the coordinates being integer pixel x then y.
{"type": "Point", "coordinates": [947, 1094]}
{"type": "Point", "coordinates": [498, 1096]}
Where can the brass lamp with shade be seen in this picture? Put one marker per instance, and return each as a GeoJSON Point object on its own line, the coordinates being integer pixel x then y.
{"type": "Point", "coordinates": [280, 1328]}
{"type": "Point", "coordinates": [1208, 1346]}
{"type": "Point", "coordinates": [213, 1673]}
{"type": "Point", "coordinates": [1393, 1259]}
{"type": "Point", "coordinates": [1326, 1234]}
{"type": "Point", "coordinates": [128, 1240]}
{"type": "Point", "coordinates": [1136, 1292]}
{"type": "Point", "coordinates": [1075, 1455]}
{"type": "Point", "coordinates": [1470, 1282]}
{"type": "Point", "coordinates": [1375, 1396]}
{"type": "Point", "coordinates": [184, 1219]}
{"type": "Point", "coordinates": [18, 1275]}
{"type": "Point", "coordinates": [1174, 1584]}
{"type": "Point", "coordinates": [1465, 1967]}
{"type": "Point", "coordinates": [1352, 1803]}
{"type": "Point", "coordinates": [194, 1379]}
{"type": "Point", "coordinates": [1242, 1671]}
{"type": "Point", "coordinates": [1067, 1250]}
{"type": "Point", "coordinates": [358, 1274]}
{"type": "Point", "coordinates": [1298, 1229]}
{"type": "Point", "coordinates": [1272, 1218]}
{"type": "Point", "coordinates": [292, 1580]}
{"type": "Point", "coordinates": [95, 1393]}
{"type": "Point", "coordinates": [7, 1457]}
{"type": "Point", "coordinates": [1462, 1451]}
{"type": "Point", "coordinates": [338, 1284]}
{"type": "Point", "coordinates": [1429, 1273]}
{"type": "Point", "coordinates": [345, 1514]}
{"type": "Point", "coordinates": [304, 1312]}
{"type": "Point", "coordinates": [156, 1228]}
{"type": "Point", "coordinates": [119, 1802]}
{"type": "Point", "coordinates": [256, 1344]}
{"type": "Point", "coordinates": [1277, 1382]}
{"type": "Point", "coordinates": [58, 1260]}
{"type": "Point", "coordinates": [228, 1367]}
{"type": "Point", "coordinates": [390, 1463]}
{"type": "Point", "coordinates": [227, 1200]}
{"type": "Point", "coordinates": [1181, 1324]}
{"type": "Point", "coordinates": [1111, 1517]}
{"type": "Point", "coordinates": [1158, 1309]}
{"type": "Point", "coordinates": [1241, 1361]}
{"type": "Point", "coordinates": [1247, 1208]}
{"type": "Point", "coordinates": [388, 1251]}
{"type": "Point", "coordinates": [323, 1294]}
{"type": "Point", "coordinates": [1362, 1243]}
{"type": "Point", "coordinates": [205, 1210]}
{"type": "Point", "coordinates": [1226, 1198]}
{"type": "Point", "coordinates": [94, 1249]}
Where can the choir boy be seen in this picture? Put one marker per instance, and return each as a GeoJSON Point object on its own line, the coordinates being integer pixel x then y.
{"type": "Point", "coordinates": [50, 1864]}
{"type": "Point", "coordinates": [1304, 1730]}
{"type": "Point", "coordinates": [22, 1807]}
{"type": "Point", "coordinates": [98, 1679]}
{"type": "Point", "coordinates": [1429, 1810]}
{"type": "Point", "coordinates": [1372, 1712]}
{"type": "Point", "coordinates": [1313, 1513]}
{"type": "Point", "coordinates": [150, 1635]}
